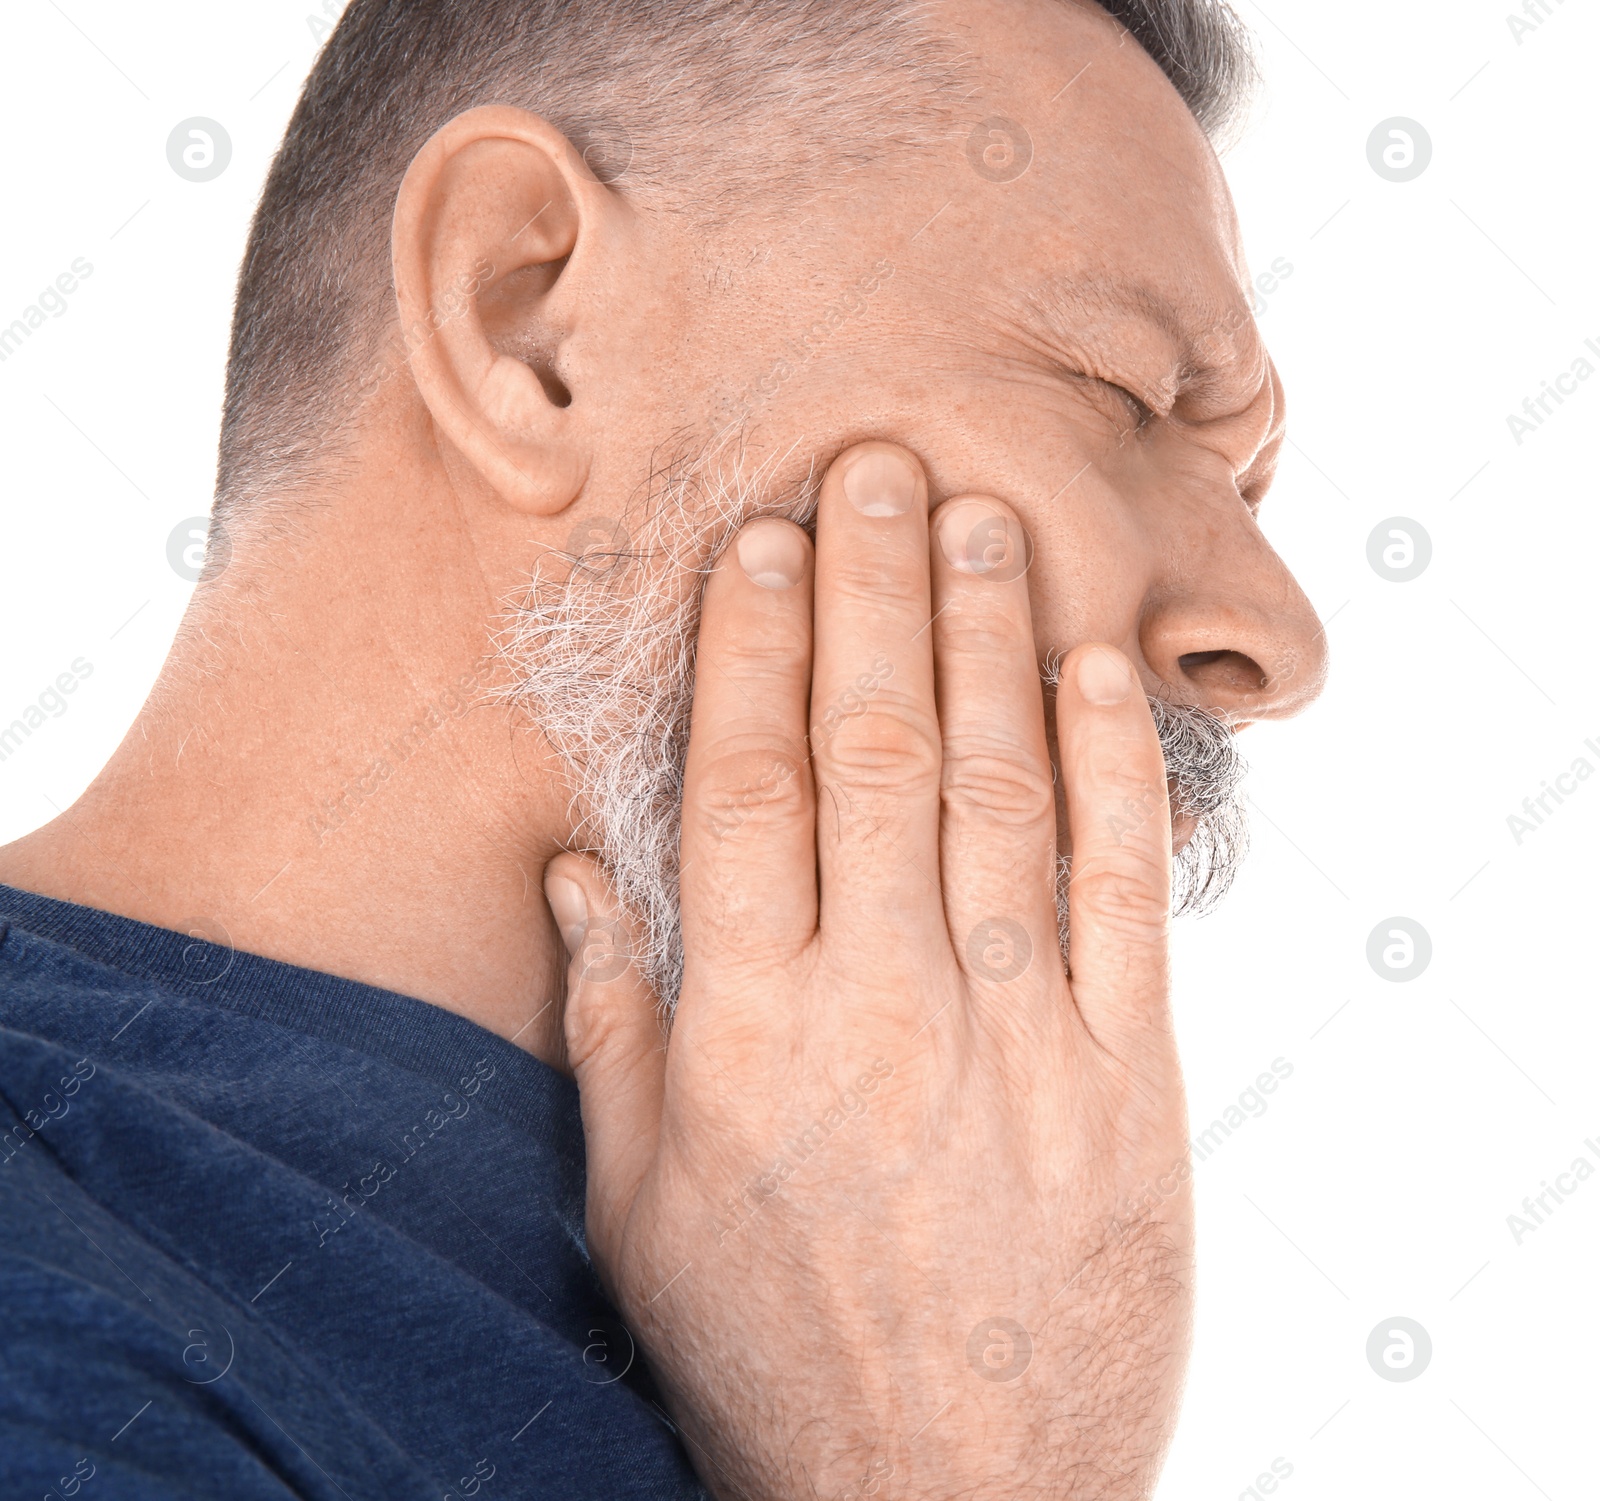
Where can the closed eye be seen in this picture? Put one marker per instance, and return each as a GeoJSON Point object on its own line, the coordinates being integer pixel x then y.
{"type": "Point", "coordinates": [1141, 410]}
{"type": "Point", "coordinates": [1134, 407]}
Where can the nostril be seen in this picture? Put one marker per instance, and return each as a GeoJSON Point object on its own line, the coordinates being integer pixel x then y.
{"type": "Point", "coordinates": [554, 387]}
{"type": "Point", "coordinates": [1225, 672]}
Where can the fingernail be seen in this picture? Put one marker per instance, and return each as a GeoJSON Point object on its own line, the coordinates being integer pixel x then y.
{"type": "Point", "coordinates": [771, 553]}
{"type": "Point", "coordinates": [571, 909]}
{"type": "Point", "coordinates": [881, 483]}
{"type": "Point", "coordinates": [1104, 676]}
{"type": "Point", "coordinates": [975, 538]}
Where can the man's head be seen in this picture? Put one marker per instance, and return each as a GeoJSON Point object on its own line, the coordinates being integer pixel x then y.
{"type": "Point", "coordinates": [603, 280]}
{"type": "Point", "coordinates": [713, 109]}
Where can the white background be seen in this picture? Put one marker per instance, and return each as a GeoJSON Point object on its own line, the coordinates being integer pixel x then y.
{"type": "Point", "coordinates": [1417, 317]}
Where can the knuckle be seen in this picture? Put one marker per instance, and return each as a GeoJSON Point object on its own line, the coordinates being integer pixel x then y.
{"type": "Point", "coordinates": [737, 784]}
{"type": "Point", "coordinates": [592, 1032]}
{"type": "Point", "coordinates": [1124, 767]}
{"type": "Point", "coordinates": [1126, 803]}
{"type": "Point", "coordinates": [1129, 900]}
{"type": "Point", "coordinates": [890, 745]}
{"type": "Point", "coordinates": [765, 650]}
{"type": "Point", "coordinates": [981, 633]}
{"type": "Point", "coordinates": [879, 583]}
{"type": "Point", "coordinates": [984, 777]}
{"type": "Point", "coordinates": [1139, 813]}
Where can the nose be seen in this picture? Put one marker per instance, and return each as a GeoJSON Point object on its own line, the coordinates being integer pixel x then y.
{"type": "Point", "coordinates": [1230, 630]}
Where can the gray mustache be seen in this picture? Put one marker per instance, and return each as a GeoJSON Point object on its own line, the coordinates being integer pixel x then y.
{"type": "Point", "coordinates": [1205, 777]}
{"type": "Point", "coordinates": [1205, 782]}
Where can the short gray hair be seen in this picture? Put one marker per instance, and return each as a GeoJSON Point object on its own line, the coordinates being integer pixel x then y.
{"type": "Point", "coordinates": [1203, 48]}
{"type": "Point", "coordinates": [667, 90]}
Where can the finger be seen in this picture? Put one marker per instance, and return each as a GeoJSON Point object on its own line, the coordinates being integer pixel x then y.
{"type": "Point", "coordinates": [615, 1044]}
{"type": "Point", "coordinates": [1120, 893]}
{"type": "Point", "coordinates": [748, 873]}
{"type": "Point", "coordinates": [874, 726]}
{"type": "Point", "coordinates": [997, 839]}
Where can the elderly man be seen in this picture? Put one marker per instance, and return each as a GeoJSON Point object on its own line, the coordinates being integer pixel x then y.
{"type": "Point", "coordinates": [724, 508]}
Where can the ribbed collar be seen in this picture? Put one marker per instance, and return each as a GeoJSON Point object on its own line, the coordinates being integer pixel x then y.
{"type": "Point", "coordinates": [415, 1035]}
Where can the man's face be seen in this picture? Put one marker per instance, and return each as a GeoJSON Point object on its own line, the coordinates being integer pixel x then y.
{"type": "Point", "coordinates": [994, 327]}
{"type": "Point", "coordinates": [1047, 305]}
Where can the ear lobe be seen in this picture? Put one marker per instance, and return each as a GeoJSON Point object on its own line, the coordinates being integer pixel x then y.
{"type": "Point", "coordinates": [487, 223]}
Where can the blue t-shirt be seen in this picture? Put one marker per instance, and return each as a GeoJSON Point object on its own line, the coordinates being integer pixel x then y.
{"type": "Point", "coordinates": [269, 1233]}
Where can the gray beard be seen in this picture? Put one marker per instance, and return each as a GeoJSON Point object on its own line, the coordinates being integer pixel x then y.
{"type": "Point", "coordinates": [602, 653]}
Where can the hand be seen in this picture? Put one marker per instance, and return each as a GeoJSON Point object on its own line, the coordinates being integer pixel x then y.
{"type": "Point", "coordinates": [902, 1208]}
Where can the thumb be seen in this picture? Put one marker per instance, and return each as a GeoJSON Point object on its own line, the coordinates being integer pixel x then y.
{"type": "Point", "coordinates": [615, 1044]}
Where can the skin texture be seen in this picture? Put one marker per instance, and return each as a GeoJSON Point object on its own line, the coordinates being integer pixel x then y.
{"type": "Point", "coordinates": [922, 1157]}
{"type": "Point", "coordinates": [1075, 342]}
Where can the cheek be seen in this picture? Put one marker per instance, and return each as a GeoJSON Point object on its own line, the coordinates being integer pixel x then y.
{"type": "Point", "coordinates": [1093, 566]}
{"type": "Point", "coordinates": [1061, 456]}
{"type": "Point", "coordinates": [1053, 454]}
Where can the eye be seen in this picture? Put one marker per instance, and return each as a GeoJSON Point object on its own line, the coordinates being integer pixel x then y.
{"type": "Point", "coordinates": [1140, 410]}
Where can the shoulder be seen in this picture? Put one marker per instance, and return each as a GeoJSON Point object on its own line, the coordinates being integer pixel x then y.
{"type": "Point", "coordinates": [91, 1390]}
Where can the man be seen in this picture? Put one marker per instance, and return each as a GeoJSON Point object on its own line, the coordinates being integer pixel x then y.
{"type": "Point", "coordinates": [561, 333]}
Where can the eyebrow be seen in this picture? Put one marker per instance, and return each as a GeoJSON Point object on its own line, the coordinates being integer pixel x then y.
{"type": "Point", "coordinates": [1062, 305]}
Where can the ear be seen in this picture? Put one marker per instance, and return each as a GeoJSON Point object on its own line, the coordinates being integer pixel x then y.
{"type": "Point", "coordinates": [497, 221]}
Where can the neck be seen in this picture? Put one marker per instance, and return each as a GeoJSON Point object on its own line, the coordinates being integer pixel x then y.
{"type": "Point", "coordinates": [319, 776]}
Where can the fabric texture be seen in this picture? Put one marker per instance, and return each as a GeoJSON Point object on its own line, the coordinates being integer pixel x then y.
{"type": "Point", "coordinates": [265, 1232]}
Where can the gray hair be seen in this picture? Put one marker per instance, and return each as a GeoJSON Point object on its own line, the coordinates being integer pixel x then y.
{"type": "Point", "coordinates": [1203, 48]}
{"type": "Point", "coordinates": [698, 101]}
